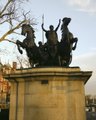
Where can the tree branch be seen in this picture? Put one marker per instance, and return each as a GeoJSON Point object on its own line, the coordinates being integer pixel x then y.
{"type": "Point", "coordinates": [11, 30]}
{"type": "Point", "coordinates": [6, 14]}
{"type": "Point", "coordinates": [5, 7]}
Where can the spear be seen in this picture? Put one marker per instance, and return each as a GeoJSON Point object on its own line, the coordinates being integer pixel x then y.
{"type": "Point", "coordinates": [42, 30]}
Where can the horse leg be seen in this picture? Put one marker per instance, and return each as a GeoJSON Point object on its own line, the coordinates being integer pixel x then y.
{"type": "Point", "coordinates": [21, 44]}
{"type": "Point", "coordinates": [18, 46]}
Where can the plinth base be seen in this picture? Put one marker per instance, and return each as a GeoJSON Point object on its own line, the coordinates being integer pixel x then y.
{"type": "Point", "coordinates": [48, 94]}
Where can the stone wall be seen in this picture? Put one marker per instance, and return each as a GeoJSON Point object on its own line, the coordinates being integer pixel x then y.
{"type": "Point", "coordinates": [48, 94]}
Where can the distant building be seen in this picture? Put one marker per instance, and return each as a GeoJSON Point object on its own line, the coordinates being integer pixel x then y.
{"type": "Point", "coordinates": [90, 102]}
{"type": "Point", "coordinates": [5, 85]}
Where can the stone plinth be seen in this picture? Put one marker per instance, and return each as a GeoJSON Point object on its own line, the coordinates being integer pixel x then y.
{"type": "Point", "coordinates": [48, 94]}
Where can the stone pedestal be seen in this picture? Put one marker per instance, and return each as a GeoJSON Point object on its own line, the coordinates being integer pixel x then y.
{"type": "Point", "coordinates": [48, 94]}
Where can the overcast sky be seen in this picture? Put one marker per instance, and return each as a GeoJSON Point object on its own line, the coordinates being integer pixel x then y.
{"type": "Point", "coordinates": [83, 26]}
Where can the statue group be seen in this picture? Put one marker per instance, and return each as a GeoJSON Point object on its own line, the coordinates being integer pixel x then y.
{"type": "Point", "coordinates": [53, 52]}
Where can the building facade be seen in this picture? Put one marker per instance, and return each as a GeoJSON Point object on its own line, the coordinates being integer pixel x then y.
{"type": "Point", "coordinates": [5, 85]}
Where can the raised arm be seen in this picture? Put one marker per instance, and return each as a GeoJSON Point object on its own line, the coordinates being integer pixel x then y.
{"type": "Point", "coordinates": [43, 28]}
{"type": "Point", "coordinates": [58, 25]}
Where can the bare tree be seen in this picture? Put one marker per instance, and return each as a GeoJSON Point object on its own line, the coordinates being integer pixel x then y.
{"type": "Point", "coordinates": [12, 14]}
{"type": "Point", "coordinates": [22, 62]}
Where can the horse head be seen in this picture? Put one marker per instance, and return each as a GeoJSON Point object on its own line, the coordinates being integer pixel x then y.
{"type": "Point", "coordinates": [66, 21]}
{"type": "Point", "coordinates": [27, 29]}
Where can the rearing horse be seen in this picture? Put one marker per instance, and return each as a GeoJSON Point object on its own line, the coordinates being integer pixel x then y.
{"type": "Point", "coordinates": [29, 44]}
{"type": "Point", "coordinates": [67, 44]}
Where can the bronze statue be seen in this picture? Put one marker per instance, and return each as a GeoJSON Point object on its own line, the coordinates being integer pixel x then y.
{"type": "Point", "coordinates": [53, 52]}
{"type": "Point", "coordinates": [37, 55]}
{"type": "Point", "coordinates": [52, 41]}
{"type": "Point", "coordinates": [29, 44]}
{"type": "Point", "coordinates": [51, 34]}
{"type": "Point", "coordinates": [67, 44]}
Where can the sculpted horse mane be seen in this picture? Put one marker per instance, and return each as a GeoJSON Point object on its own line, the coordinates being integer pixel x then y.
{"type": "Point", "coordinates": [30, 38]}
